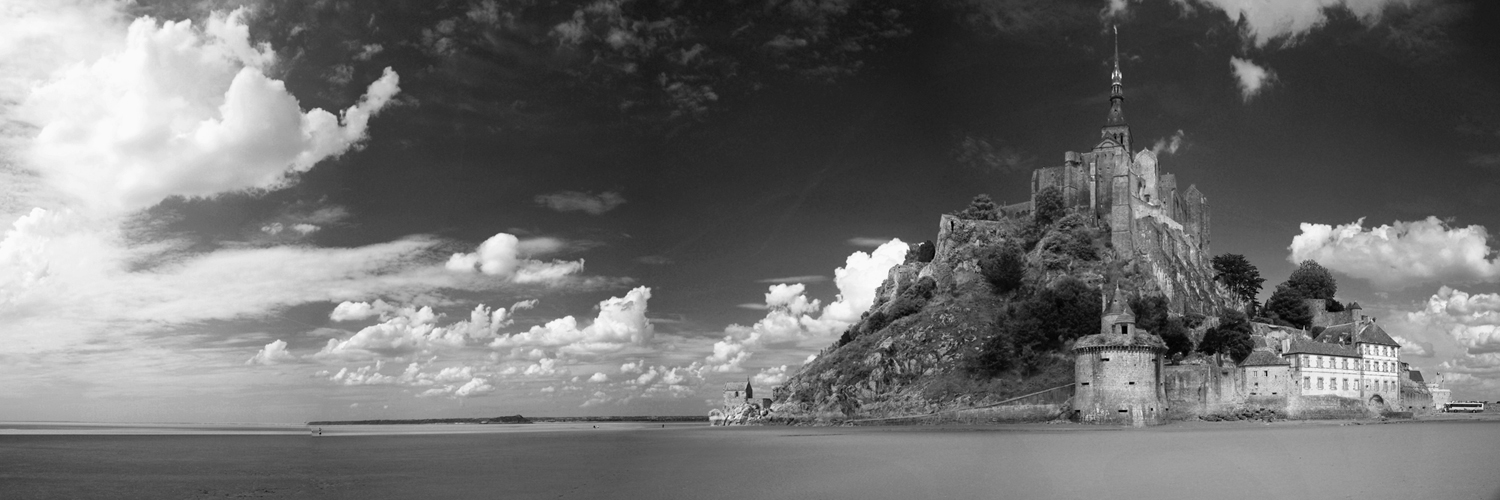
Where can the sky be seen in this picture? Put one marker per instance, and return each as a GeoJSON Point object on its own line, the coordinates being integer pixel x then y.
{"type": "Point", "coordinates": [282, 211]}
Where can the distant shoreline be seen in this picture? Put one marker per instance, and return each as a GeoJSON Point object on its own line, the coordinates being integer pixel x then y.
{"type": "Point", "coordinates": [513, 419]}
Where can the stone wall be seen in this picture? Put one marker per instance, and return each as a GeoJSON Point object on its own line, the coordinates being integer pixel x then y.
{"type": "Point", "coordinates": [1177, 269]}
{"type": "Point", "coordinates": [1117, 385]}
{"type": "Point", "coordinates": [1202, 389]}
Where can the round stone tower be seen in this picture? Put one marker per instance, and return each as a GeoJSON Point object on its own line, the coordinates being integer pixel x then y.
{"type": "Point", "coordinates": [1118, 371]}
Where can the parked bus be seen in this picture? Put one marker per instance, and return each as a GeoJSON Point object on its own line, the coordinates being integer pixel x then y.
{"type": "Point", "coordinates": [1464, 407]}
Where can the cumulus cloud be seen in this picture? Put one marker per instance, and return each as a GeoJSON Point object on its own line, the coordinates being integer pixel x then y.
{"type": "Point", "coordinates": [355, 311]}
{"type": "Point", "coordinates": [621, 322]}
{"type": "Point", "coordinates": [577, 201]}
{"type": "Point", "coordinates": [178, 110]}
{"type": "Point", "coordinates": [790, 318]}
{"type": "Point", "coordinates": [1169, 145]}
{"type": "Point", "coordinates": [1400, 254]}
{"type": "Point", "coordinates": [1271, 19]}
{"type": "Point", "coordinates": [1472, 320]}
{"type": "Point", "coordinates": [406, 330]}
{"type": "Point", "coordinates": [1252, 78]}
{"type": "Point", "coordinates": [772, 376]}
{"type": "Point", "coordinates": [272, 353]}
{"type": "Point", "coordinates": [1413, 348]}
{"type": "Point", "coordinates": [453, 381]}
{"type": "Point", "coordinates": [503, 255]}
{"type": "Point", "coordinates": [599, 377]}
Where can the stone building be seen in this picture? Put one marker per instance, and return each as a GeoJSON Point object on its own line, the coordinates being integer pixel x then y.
{"type": "Point", "coordinates": [1117, 372]}
{"type": "Point", "coordinates": [1125, 189]}
{"type": "Point", "coordinates": [736, 394]}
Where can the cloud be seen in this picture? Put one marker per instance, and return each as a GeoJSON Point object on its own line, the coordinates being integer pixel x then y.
{"type": "Point", "coordinates": [67, 276]}
{"type": "Point", "coordinates": [1169, 145]}
{"type": "Point", "coordinates": [355, 311]}
{"type": "Point", "coordinates": [1271, 19]}
{"type": "Point", "coordinates": [177, 110]}
{"type": "Point", "coordinates": [1491, 160]}
{"type": "Point", "coordinates": [865, 241]}
{"type": "Point", "coordinates": [790, 319]}
{"type": "Point", "coordinates": [621, 322]}
{"type": "Point", "coordinates": [654, 260]}
{"type": "Point", "coordinates": [409, 330]}
{"type": "Point", "coordinates": [1400, 254]}
{"type": "Point", "coordinates": [773, 376]}
{"type": "Point", "coordinates": [575, 201]}
{"type": "Point", "coordinates": [599, 377]}
{"type": "Point", "coordinates": [1472, 320]}
{"type": "Point", "coordinates": [1252, 78]}
{"type": "Point", "coordinates": [1412, 348]}
{"type": "Point", "coordinates": [811, 278]}
{"type": "Point", "coordinates": [502, 255]}
{"type": "Point", "coordinates": [272, 353]}
{"type": "Point", "coordinates": [999, 157]}
{"type": "Point", "coordinates": [368, 51]}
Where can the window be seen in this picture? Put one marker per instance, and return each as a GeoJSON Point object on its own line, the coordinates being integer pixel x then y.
{"type": "Point", "coordinates": [1346, 384]}
{"type": "Point", "coordinates": [1320, 382]}
{"type": "Point", "coordinates": [1320, 361]}
{"type": "Point", "coordinates": [1307, 382]}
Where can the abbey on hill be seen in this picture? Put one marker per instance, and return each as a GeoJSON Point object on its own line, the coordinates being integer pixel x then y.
{"type": "Point", "coordinates": [950, 336]}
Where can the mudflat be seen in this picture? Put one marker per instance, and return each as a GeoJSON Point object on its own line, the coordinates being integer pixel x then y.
{"type": "Point", "coordinates": [1436, 459]}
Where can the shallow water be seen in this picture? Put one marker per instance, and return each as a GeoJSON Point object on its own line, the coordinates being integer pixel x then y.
{"type": "Point", "coordinates": [1452, 459]}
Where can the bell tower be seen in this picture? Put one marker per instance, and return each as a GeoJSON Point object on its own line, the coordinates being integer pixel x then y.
{"type": "Point", "coordinates": [1115, 128]}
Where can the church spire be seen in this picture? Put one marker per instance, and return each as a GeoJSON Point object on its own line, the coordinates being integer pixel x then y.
{"type": "Point", "coordinates": [1115, 128]}
{"type": "Point", "coordinates": [1115, 76]}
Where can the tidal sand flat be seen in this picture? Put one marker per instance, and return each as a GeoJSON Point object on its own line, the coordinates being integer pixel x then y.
{"type": "Point", "coordinates": [1449, 460]}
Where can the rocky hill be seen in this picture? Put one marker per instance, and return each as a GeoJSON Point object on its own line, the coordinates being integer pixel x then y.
{"type": "Point", "coordinates": [987, 312]}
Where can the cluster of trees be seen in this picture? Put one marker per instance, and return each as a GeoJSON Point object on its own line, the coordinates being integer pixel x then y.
{"type": "Point", "coordinates": [1028, 329]}
{"type": "Point", "coordinates": [1309, 281]}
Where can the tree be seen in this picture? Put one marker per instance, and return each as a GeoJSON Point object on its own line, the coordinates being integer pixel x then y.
{"type": "Point", "coordinates": [1049, 206]}
{"type": "Point", "coordinates": [1176, 337]}
{"type": "Point", "coordinates": [1313, 281]}
{"type": "Point", "coordinates": [1231, 337]}
{"type": "Point", "coordinates": [1239, 276]}
{"type": "Point", "coordinates": [1067, 310]}
{"type": "Point", "coordinates": [1003, 267]}
{"type": "Point", "coordinates": [1286, 308]}
{"type": "Point", "coordinates": [1150, 312]}
{"type": "Point", "coordinates": [980, 208]}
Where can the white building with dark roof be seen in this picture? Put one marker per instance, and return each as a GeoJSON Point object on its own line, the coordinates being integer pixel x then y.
{"type": "Point", "coordinates": [1351, 360]}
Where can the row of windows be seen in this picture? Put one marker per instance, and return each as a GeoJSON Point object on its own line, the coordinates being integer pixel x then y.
{"type": "Point", "coordinates": [1379, 350]}
{"type": "Point", "coordinates": [1344, 363]}
{"type": "Point", "coordinates": [1342, 384]}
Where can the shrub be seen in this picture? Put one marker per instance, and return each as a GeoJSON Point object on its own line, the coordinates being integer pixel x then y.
{"type": "Point", "coordinates": [1003, 267]}
{"type": "Point", "coordinates": [980, 208]}
{"type": "Point", "coordinates": [1049, 206]}
{"type": "Point", "coordinates": [1231, 337]}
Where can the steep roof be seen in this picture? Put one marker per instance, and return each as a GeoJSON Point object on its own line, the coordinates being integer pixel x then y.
{"type": "Point", "coordinates": [1119, 309]}
{"type": "Point", "coordinates": [1416, 376]}
{"type": "Point", "coordinates": [1357, 332]}
{"type": "Point", "coordinates": [1303, 346]}
{"type": "Point", "coordinates": [1264, 358]}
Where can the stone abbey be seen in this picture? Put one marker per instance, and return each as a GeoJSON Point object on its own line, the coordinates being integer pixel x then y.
{"type": "Point", "coordinates": [1126, 190]}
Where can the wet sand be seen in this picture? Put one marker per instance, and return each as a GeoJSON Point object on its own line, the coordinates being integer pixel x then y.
{"type": "Point", "coordinates": [1451, 459]}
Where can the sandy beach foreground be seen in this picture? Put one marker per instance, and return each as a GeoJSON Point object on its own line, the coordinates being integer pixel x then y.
{"type": "Point", "coordinates": [1437, 459]}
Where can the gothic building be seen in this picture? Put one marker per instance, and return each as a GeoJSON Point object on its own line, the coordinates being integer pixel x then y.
{"type": "Point", "coordinates": [1122, 188]}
